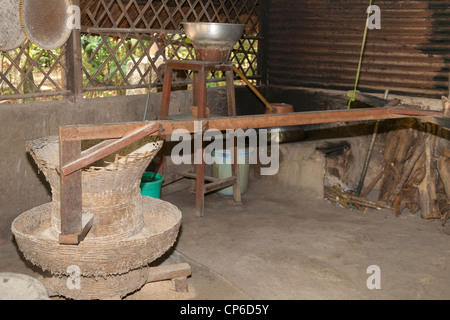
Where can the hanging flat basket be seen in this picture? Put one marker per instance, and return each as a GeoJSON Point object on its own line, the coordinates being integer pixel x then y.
{"type": "Point", "coordinates": [45, 22]}
{"type": "Point", "coordinates": [11, 34]}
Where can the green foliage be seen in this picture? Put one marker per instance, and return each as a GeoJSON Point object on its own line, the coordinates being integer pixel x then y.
{"type": "Point", "coordinates": [42, 57]}
{"type": "Point", "coordinates": [105, 59]}
{"type": "Point", "coordinates": [97, 59]}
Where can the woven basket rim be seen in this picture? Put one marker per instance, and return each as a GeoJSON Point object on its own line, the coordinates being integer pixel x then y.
{"type": "Point", "coordinates": [44, 241]}
{"type": "Point", "coordinates": [144, 233]}
{"type": "Point", "coordinates": [122, 161]}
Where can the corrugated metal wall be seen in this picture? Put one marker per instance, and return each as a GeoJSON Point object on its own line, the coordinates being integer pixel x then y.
{"type": "Point", "coordinates": [317, 43]}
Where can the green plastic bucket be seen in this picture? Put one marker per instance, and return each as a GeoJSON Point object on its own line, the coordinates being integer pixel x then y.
{"type": "Point", "coordinates": [223, 170]}
{"type": "Point", "coordinates": [153, 188]}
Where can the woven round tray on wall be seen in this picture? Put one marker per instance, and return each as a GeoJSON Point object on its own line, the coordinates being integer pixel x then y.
{"type": "Point", "coordinates": [44, 22]}
{"type": "Point", "coordinates": [11, 33]}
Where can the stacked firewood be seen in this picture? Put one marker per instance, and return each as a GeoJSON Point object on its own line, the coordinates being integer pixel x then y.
{"type": "Point", "coordinates": [415, 173]}
{"type": "Point", "coordinates": [415, 170]}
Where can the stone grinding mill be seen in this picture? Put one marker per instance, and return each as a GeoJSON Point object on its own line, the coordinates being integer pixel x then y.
{"type": "Point", "coordinates": [129, 230]}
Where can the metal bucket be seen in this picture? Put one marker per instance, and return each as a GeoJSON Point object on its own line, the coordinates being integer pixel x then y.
{"type": "Point", "coordinates": [11, 34]}
{"type": "Point", "coordinates": [45, 22]}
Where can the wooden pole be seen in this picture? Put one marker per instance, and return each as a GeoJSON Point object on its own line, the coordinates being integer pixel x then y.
{"type": "Point", "coordinates": [259, 95]}
{"type": "Point", "coordinates": [73, 60]}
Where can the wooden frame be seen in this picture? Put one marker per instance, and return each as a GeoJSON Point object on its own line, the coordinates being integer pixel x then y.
{"type": "Point", "coordinates": [199, 69]}
{"type": "Point", "coordinates": [120, 135]}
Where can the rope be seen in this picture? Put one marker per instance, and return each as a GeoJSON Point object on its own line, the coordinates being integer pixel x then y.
{"type": "Point", "coordinates": [352, 98]}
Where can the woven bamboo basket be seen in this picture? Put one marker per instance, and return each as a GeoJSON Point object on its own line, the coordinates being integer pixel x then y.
{"type": "Point", "coordinates": [130, 231]}
{"type": "Point", "coordinates": [95, 256]}
{"type": "Point", "coordinates": [45, 22]}
{"type": "Point", "coordinates": [11, 34]}
{"type": "Point", "coordinates": [110, 187]}
{"type": "Point", "coordinates": [111, 287]}
{"type": "Point", "coordinates": [90, 288]}
{"type": "Point", "coordinates": [124, 220]}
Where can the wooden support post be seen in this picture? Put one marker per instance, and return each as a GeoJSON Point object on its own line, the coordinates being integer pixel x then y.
{"type": "Point", "coordinates": [200, 178]}
{"type": "Point", "coordinates": [73, 228]}
{"type": "Point", "coordinates": [74, 65]}
{"type": "Point", "coordinates": [235, 172]}
{"type": "Point", "coordinates": [167, 88]}
{"type": "Point", "coordinates": [201, 93]}
{"type": "Point", "coordinates": [231, 98]}
{"type": "Point", "coordinates": [194, 88]}
{"type": "Point", "coordinates": [70, 190]}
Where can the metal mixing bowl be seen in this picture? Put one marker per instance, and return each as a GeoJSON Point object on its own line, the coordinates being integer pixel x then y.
{"type": "Point", "coordinates": [211, 32]}
{"type": "Point", "coordinates": [213, 41]}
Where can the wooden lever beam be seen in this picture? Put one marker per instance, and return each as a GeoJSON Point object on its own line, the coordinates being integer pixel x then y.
{"type": "Point", "coordinates": [107, 147]}
{"type": "Point", "coordinates": [72, 160]}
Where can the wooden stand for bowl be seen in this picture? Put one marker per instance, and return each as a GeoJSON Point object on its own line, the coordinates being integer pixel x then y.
{"type": "Point", "coordinates": [200, 70]}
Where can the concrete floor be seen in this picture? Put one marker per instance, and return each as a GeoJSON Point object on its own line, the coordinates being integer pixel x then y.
{"type": "Point", "coordinates": [291, 245]}
{"type": "Point", "coordinates": [286, 244]}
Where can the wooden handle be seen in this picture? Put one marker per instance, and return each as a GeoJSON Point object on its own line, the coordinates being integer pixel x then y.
{"type": "Point", "coordinates": [259, 95]}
